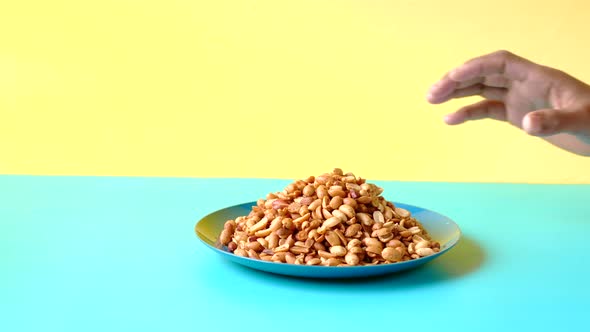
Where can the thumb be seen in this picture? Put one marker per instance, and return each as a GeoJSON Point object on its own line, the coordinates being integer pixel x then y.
{"type": "Point", "coordinates": [546, 122]}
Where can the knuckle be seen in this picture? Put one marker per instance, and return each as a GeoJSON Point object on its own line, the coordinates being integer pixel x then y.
{"type": "Point", "coordinates": [504, 53]}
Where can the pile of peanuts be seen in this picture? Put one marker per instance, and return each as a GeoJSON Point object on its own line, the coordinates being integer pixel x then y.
{"type": "Point", "coordinates": [334, 219]}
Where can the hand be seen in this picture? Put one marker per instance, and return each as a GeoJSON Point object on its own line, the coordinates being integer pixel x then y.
{"type": "Point", "coordinates": [540, 100]}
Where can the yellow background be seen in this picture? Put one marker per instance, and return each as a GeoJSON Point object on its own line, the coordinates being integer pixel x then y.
{"type": "Point", "coordinates": [271, 88]}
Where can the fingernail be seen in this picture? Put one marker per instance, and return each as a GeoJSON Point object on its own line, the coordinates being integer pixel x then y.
{"type": "Point", "coordinates": [532, 124]}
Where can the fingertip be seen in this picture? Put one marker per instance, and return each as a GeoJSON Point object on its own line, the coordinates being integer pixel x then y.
{"type": "Point", "coordinates": [434, 99]}
{"type": "Point", "coordinates": [430, 98]}
{"type": "Point", "coordinates": [448, 119]}
{"type": "Point", "coordinates": [532, 123]}
{"type": "Point", "coordinates": [453, 119]}
{"type": "Point", "coordinates": [439, 92]}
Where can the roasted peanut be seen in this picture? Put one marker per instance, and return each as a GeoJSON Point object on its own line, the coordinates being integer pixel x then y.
{"type": "Point", "coordinates": [338, 250]}
{"type": "Point", "coordinates": [321, 191]}
{"type": "Point", "coordinates": [290, 258]}
{"type": "Point", "coordinates": [343, 238]}
{"type": "Point", "coordinates": [422, 245]}
{"type": "Point", "coordinates": [394, 243]}
{"type": "Point", "coordinates": [347, 210]}
{"type": "Point", "coordinates": [309, 190]}
{"type": "Point", "coordinates": [402, 212]}
{"type": "Point", "coordinates": [314, 261]}
{"type": "Point", "coordinates": [334, 219]}
{"type": "Point", "coordinates": [364, 218]}
{"type": "Point", "coordinates": [232, 246]}
{"type": "Point", "coordinates": [256, 246]}
{"type": "Point", "coordinates": [424, 251]}
{"type": "Point", "coordinates": [378, 217]}
{"type": "Point", "coordinates": [351, 259]}
{"type": "Point", "coordinates": [299, 250]}
{"type": "Point", "coordinates": [356, 250]}
{"type": "Point", "coordinates": [333, 239]}
{"type": "Point", "coordinates": [340, 215]}
{"type": "Point", "coordinates": [332, 222]}
{"type": "Point", "coordinates": [332, 262]}
{"type": "Point", "coordinates": [353, 243]}
{"type": "Point", "coordinates": [391, 254]}
{"type": "Point", "coordinates": [335, 202]}
{"type": "Point", "coordinates": [373, 250]}
{"type": "Point", "coordinates": [225, 237]}
{"type": "Point", "coordinates": [352, 230]}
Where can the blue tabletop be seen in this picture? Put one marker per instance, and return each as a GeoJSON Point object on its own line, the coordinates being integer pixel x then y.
{"type": "Point", "coordinates": [120, 254]}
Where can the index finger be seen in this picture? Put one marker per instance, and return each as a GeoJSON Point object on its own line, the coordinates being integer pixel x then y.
{"type": "Point", "coordinates": [501, 63]}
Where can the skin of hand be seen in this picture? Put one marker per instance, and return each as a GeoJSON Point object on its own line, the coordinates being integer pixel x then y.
{"type": "Point", "coordinates": [542, 101]}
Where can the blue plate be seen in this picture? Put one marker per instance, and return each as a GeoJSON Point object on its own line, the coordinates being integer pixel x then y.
{"type": "Point", "coordinates": [440, 228]}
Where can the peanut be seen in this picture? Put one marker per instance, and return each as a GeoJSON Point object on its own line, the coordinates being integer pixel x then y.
{"type": "Point", "coordinates": [319, 246]}
{"type": "Point", "coordinates": [391, 254]}
{"type": "Point", "coordinates": [279, 204]}
{"type": "Point", "coordinates": [350, 202]}
{"type": "Point", "coordinates": [325, 254]}
{"type": "Point", "coordinates": [282, 247]}
{"type": "Point", "coordinates": [299, 250]}
{"type": "Point", "coordinates": [364, 218]}
{"type": "Point", "coordinates": [424, 251]}
{"type": "Point", "coordinates": [258, 226]}
{"type": "Point", "coordinates": [338, 251]}
{"type": "Point", "coordinates": [273, 240]}
{"type": "Point", "coordinates": [309, 190]}
{"type": "Point", "coordinates": [332, 262]}
{"type": "Point", "coordinates": [333, 239]}
{"type": "Point", "coordinates": [364, 199]}
{"type": "Point", "coordinates": [394, 243]}
{"type": "Point", "coordinates": [290, 258]}
{"type": "Point", "coordinates": [322, 191]}
{"type": "Point", "coordinates": [335, 202]}
{"type": "Point", "coordinates": [369, 241]}
{"type": "Point", "coordinates": [422, 245]}
{"type": "Point", "coordinates": [334, 219]}
{"type": "Point", "coordinates": [347, 210]}
{"type": "Point", "coordinates": [374, 250]}
{"type": "Point", "coordinates": [352, 230]}
{"type": "Point", "coordinates": [256, 246]}
{"type": "Point", "coordinates": [351, 259]}
{"type": "Point", "coordinates": [356, 250]}
{"type": "Point", "coordinates": [232, 246]}
{"type": "Point", "coordinates": [378, 217]}
{"type": "Point", "coordinates": [253, 254]}
{"type": "Point", "coordinates": [276, 224]}
{"type": "Point", "coordinates": [340, 215]}
{"type": "Point", "coordinates": [332, 222]}
{"type": "Point", "coordinates": [225, 237]}
{"type": "Point", "coordinates": [314, 261]}
{"type": "Point", "coordinates": [353, 243]}
{"type": "Point", "coordinates": [315, 204]}
{"type": "Point", "coordinates": [402, 212]}
{"type": "Point", "coordinates": [343, 238]}
{"type": "Point", "coordinates": [335, 191]}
